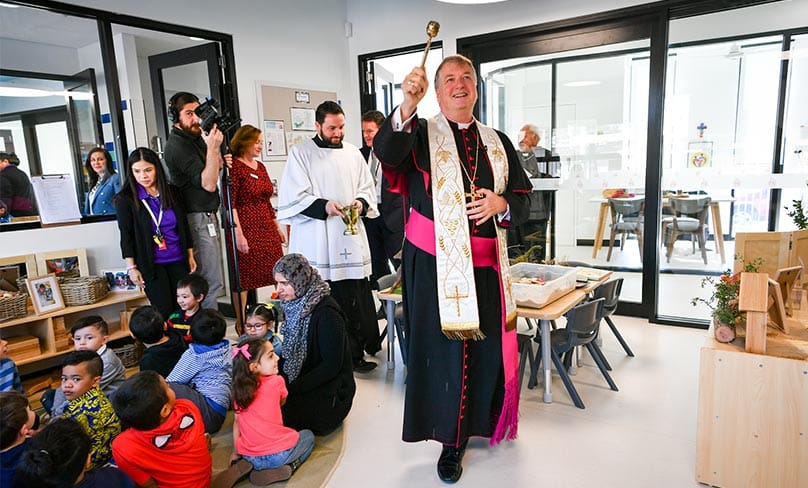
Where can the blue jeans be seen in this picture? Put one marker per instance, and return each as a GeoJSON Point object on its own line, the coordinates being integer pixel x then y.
{"type": "Point", "coordinates": [301, 451]}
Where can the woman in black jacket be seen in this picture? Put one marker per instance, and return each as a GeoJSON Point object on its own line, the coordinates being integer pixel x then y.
{"type": "Point", "coordinates": [315, 357]}
{"type": "Point", "coordinates": [155, 238]}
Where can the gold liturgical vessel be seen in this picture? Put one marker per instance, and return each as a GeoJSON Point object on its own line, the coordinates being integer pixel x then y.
{"type": "Point", "coordinates": [350, 215]}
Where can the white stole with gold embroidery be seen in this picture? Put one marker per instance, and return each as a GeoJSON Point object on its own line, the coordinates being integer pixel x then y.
{"type": "Point", "coordinates": [457, 296]}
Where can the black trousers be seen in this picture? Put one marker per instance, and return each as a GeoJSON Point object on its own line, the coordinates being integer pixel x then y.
{"type": "Point", "coordinates": [162, 289]}
{"type": "Point", "coordinates": [356, 300]}
{"type": "Point", "coordinates": [384, 244]}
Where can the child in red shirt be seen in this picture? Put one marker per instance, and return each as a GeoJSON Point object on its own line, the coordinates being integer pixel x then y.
{"type": "Point", "coordinates": [164, 442]}
{"type": "Point", "coordinates": [268, 448]}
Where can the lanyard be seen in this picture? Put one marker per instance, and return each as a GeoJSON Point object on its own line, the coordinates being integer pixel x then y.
{"type": "Point", "coordinates": [156, 220]}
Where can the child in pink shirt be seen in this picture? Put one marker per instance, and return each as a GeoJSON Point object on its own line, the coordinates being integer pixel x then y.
{"type": "Point", "coordinates": [262, 444]}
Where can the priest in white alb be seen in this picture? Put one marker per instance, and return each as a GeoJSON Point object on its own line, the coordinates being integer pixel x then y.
{"type": "Point", "coordinates": [323, 176]}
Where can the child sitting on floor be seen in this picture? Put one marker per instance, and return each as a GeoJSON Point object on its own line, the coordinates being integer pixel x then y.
{"type": "Point", "coordinates": [164, 442]}
{"type": "Point", "coordinates": [60, 456]}
{"type": "Point", "coordinates": [273, 452]}
{"type": "Point", "coordinates": [90, 333]}
{"type": "Point", "coordinates": [260, 320]}
{"type": "Point", "coordinates": [9, 375]}
{"type": "Point", "coordinates": [164, 346]}
{"type": "Point", "coordinates": [87, 404]}
{"type": "Point", "coordinates": [202, 374]}
{"type": "Point", "coordinates": [191, 290]}
{"type": "Point", "coordinates": [16, 426]}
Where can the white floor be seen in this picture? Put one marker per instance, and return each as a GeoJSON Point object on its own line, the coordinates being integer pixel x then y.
{"type": "Point", "coordinates": [642, 436]}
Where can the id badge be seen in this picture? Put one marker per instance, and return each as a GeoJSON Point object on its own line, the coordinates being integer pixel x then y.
{"type": "Point", "coordinates": [212, 230]}
{"type": "Point", "coordinates": [161, 243]}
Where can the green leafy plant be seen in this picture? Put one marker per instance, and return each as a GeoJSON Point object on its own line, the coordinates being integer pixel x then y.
{"type": "Point", "coordinates": [798, 215]}
{"type": "Point", "coordinates": [724, 299]}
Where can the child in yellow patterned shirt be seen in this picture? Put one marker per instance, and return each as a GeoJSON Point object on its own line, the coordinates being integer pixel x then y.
{"type": "Point", "coordinates": [81, 377]}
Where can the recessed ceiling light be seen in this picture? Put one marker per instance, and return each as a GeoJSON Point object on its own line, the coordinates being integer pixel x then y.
{"type": "Point", "coordinates": [8, 5]}
{"type": "Point", "coordinates": [196, 38]}
{"type": "Point", "coordinates": [581, 83]}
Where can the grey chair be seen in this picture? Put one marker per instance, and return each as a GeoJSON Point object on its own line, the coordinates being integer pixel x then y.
{"type": "Point", "coordinates": [581, 330]}
{"type": "Point", "coordinates": [610, 292]}
{"type": "Point", "coordinates": [689, 217]}
{"type": "Point", "coordinates": [400, 324]}
{"type": "Point", "coordinates": [627, 218]}
{"type": "Point", "coordinates": [526, 354]}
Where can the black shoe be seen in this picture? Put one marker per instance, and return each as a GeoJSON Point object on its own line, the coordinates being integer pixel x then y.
{"type": "Point", "coordinates": [381, 313]}
{"type": "Point", "coordinates": [362, 366]}
{"type": "Point", "coordinates": [450, 465]}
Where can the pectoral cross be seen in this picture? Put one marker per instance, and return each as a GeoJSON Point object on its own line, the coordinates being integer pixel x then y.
{"type": "Point", "coordinates": [473, 195]}
{"type": "Point", "coordinates": [456, 297]}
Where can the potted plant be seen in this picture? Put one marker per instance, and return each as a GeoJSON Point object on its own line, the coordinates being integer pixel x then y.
{"type": "Point", "coordinates": [724, 301]}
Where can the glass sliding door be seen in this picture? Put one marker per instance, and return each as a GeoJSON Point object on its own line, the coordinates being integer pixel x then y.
{"type": "Point", "coordinates": [590, 107]}
{"type": "Point", "coordinates": [795, 132]}
{"type": "Point", "coordinates": [724, 101]}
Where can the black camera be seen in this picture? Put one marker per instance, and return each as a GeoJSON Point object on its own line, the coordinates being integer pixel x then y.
{"type": "Point", "coordinates": [210, 113]}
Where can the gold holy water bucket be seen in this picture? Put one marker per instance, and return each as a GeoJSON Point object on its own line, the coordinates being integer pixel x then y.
{"type": "Point", "coordinates": [350, 215]}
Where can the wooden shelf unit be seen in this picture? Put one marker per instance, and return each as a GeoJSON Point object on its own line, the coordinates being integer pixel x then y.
{"type": "Point", "coordinates": [48, 327]}
{"type": "Point", "coordinates": [752, 422]}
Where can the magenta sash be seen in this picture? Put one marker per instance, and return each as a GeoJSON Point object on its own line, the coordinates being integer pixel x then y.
{"type": "Point", "coordinates": [420, 231]}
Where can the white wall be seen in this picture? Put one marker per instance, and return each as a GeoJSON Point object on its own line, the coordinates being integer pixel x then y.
{"type": "Point", "coordinates": [41, 57]}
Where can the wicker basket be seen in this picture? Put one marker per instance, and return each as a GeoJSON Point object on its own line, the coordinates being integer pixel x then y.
{"type": "Point", "coordinates": [129, 354]}
{"type": "Point", "coordinates": [85, 290]}
{"type": "Point", "coordinates": [13, 306]}
{"type": "Point", "coordinates": [21, 287]}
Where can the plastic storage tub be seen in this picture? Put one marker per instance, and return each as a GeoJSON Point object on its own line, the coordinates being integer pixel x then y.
{"type": "Point", "coordinates": [558, 281]}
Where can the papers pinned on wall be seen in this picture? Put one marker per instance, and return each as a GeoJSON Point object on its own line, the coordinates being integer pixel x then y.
{"type": "Point", "coordinates": [56, 199]}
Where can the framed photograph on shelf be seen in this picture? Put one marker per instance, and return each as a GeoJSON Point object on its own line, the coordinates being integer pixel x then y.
{"type": "Point", "coordinates": [70, 263]}
{"type": "Point", "coordinates": [13, 268]}
{"type": "Point", "coordinates": [45, 294]}
{"type": "Point", "coordinates": [118, 280]}
{"type": "Point", "coordinates": [303, 119]}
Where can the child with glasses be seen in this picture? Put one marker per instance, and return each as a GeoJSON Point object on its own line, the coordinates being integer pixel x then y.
{"type": "Point", "coordinates": [260, 320]}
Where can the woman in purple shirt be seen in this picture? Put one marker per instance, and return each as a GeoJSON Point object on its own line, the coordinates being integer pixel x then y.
{"type": "Point", "coordinates": [155, 238]}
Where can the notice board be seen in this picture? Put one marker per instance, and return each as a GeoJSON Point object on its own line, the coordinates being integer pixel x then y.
{"type": "Point", "coordinates": [287, 117]}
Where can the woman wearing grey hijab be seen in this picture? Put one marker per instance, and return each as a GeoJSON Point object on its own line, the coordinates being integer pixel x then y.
{"type": "Point", "coordinates": [315, 356]}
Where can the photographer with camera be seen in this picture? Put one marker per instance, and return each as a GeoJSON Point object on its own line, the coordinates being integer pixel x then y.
{"type": "Point", "coordinates": [194, 160]}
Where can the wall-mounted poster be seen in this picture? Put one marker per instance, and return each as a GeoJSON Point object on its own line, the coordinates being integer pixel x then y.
{"type": "Point", "coordinates": [302, 119]}
{"type": "Point", "coordinates": [302, 97]}
{"type": "Point", "coordinates": [293, 138]}
{"type": "Point", "coordinates": [274, 138]}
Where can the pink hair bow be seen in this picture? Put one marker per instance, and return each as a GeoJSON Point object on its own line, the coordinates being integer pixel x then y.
{"type": "Point", "coordinates": [244, 350]}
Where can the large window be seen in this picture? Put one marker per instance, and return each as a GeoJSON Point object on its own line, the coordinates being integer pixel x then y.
{"type": "Point", "coordinates": [69, 84]}
{"type": "Point", "coordinates": [50, 103]}
{"type": "Point", "coordinates": [703, 141]}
